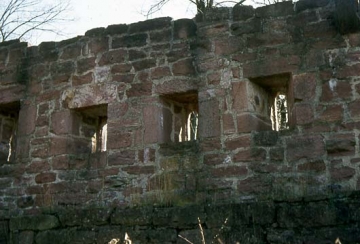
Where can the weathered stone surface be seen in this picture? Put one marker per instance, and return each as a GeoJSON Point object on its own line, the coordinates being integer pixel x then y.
{"type": "Point", "coordinates": [309, 4]}
{"type": "Point", "coordinates": [241, 12]}
{"type": "Point", "coordinates": [39, 222]}
{"type": "Point", "coordinates": [84, 217]}
{"type": "Point", "coordinates": [184, 29]}
{"type": "Point", "coordinates": [305, 147]}
{"type": "Point", "coordinates": [150, 25]}
{"type": "Point", "coordinates": [136, 40]}
{"type": "Point", "coordinates": [131, 217]}
{"type": "Point", "coordinates": [266, 138]}
{"type": "Point", "coordinates": [89, 96]}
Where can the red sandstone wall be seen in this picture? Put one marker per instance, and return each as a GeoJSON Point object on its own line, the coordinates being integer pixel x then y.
{"type": "Point", "coordinates": [229, 61]}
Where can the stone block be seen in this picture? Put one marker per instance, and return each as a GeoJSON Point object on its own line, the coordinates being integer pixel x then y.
{"type": "Point", "coordinates": [248, 27]}
{"type": "Point", "coordinates": [302, 114]}
{"type": "Point", "coordinates": [118, 139]}
{"type": "Point", "coordinates": [78, 80]}
{"type": "Point", "coordinates": [62, 236]}
{"type": "Point", "coordinates": [229, 171]}
{"type": "Point", "coordinates": [85, 64]}
{"type": "Point", "coordinates": [37, 223]}
{"type": "Point", "coordinates": [12, 94]}
{"type": "Point", "coordinates": [136, 54]}
{"type": "Point", "coordinates": [308, 215]}
{"type": "Point", "coordinates": [250, 155]}
{"type": "Point", "coordinates": [45, 178]}
{"type": "Point", "coordinates": [160, 72]}
{"type": "Point", "coordinates": [136, 40]}
{"type": "Point", "coordinates": [354, 109]}
{"type": "Point", "coordinates": [308, 147]}
{"type": "Point", "coordinates": [163, 36]}
{"type": "Point", "coordinates": [238, 142]}
{"type": "Point", "coordinates": [150, 25]}
{"type": "Point", "coordinates": [228, 124]}
{"type": "Point", "coordinates": [65, 67]}
{"type": "Point", "coordinates": [242, 12]}
{"type": "Point", "coordinates": [96, 45]}
{"type": "Point", "coordinates": [250, 97]}
{"type": "Point", "coordinates": [71, 51]}
{"type": "Point", "coordinates": [139, 170]}
{"type": "Point", "coordinates": [265, 138]}
{"type": "Point", "coordinates": [27, 119]}
{"type": "Point", "coordinates": [95, 32]}
{"type": "Point", "coordinates": [322, 29]}
{"type": "Point", "coordinates": [275, 10]}
{"type": "Point", "coordinates": [132, 216]}
{"type": "Point", "coordinates": [88, 96]}
{"type": "Point", "coordinates": [209, 118]}
{"type": "Point", "coordinates": [330, 113]}
{"type": "Point", "coordinates": [303, 5]}
{"type": "Point", "coordinates": [144, 64]}
{"type": "Point", "coordinates": [121, 68]}
{"type": "Point", "coordinates": [271, 66]}
{"type": "Point", "coordinates": [248, 122]}
{"type": "Point", "coordinates": [229, 46]}
{"type": "Point", "coordinates": [269, 39]}
{"type": "Point", "coordinates": [184, 29]}
{"type": "Point", "coordinates": [304, 87]}
{"type": "Point", "coordinates": [317, 166]}
{"type": "Point", "coordinates": [65, 122]}
{"type": "Point", "coordinates": [176, 86]}
{"type": "Point", "coordinates": [122, 158]}
{"type": "Point", "coordinates": [254, 185]}
{"type": "Point", "coordinates": [112, 57]}
{"type": "Point", "coordinates": [184, 67]}
{"type": "Point", "coordinates": [38, 166]}
{"type": "Point", "coordinates": [138, 90]}
{"type": "Point", "coordinates": [84, 217]}
{"type": "Point", "coordinates": [117, 29]}
{"type": "Point", "coordinates": [155, 130]}
{"type": "Point", "coordinates": [341, 145]}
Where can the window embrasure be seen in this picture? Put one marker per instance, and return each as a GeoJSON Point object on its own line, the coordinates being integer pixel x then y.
{"type": "Point", "coordinates": [183, 123]}
{"type": "Point", "coordinates": [9, 114]}
{"type": "Point", "coordinates": [93, 126]}
{"type": "Point", "coordinates": [276, 89]}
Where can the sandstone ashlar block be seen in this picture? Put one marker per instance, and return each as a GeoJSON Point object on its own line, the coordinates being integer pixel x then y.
{"type": "Point", "coordinates": [27, 119]}
{"type": "Point", "coordinates": [248, 122]}
{"type": "Point", "coordinates": [330, 113]}
{"type": "Point", "coordinates": [272, 66]}
{"type": "Point", "coordinates": [157, 124]}
{"type": "Point", "coordinates": [209, 118]}
{"type": "Point", "coordinates": [11, 94]}
{"type": "Point", "coordinates": [304, 87]}
{"type": "Point", "coordinates": [65, 122]}
{"type": "Point", "coordinates": [91, 95]}
{"type": "Point", "coordinates": [341, 145]}
{"type": "Point", "coordinates": [304, 147]}
{"type": "Point", "coordinates": [302, 114]}
{"type": "Point", "coordinates": [184, 29]}
{"type": "Point", "coordinates": [250, 97]}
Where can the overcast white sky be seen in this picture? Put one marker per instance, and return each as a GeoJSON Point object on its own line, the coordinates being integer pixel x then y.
{"type": "Point", "coordinates": [90, 14]}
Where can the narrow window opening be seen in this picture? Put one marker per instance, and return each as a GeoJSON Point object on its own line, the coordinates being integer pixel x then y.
{"type": "Point", "coordinates": [93, 127]}
{"type": "Point", "coordinates": [274, 90]}
{"type": "Point", "coordinates": [99, 139]}
{"type": "Point", "coordinates": [279, 113]}
{"type": "Point", "coordinates": [9, 114]}
{"type": "Point", "coordinates": [181, 120]}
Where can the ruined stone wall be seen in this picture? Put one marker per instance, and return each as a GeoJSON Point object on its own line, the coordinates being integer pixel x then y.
{"type": "Point", "coordinates": [170, 113]}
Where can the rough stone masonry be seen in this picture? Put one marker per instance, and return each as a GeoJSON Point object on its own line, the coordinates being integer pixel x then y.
{"type": "Point", "coordinates": [143, 128]}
